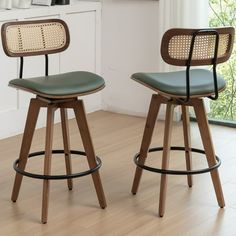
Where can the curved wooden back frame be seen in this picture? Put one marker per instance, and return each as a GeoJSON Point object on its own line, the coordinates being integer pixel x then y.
{"type": "Point", "coordinates": [175, 46]}
{"type": "Point", "coordinates": [38, 37]}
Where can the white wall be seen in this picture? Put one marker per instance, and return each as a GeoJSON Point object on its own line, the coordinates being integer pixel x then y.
{"type": "Point", "coordinates": [129, 45]}
{"type": "Point", "coordinates": [131, 37]}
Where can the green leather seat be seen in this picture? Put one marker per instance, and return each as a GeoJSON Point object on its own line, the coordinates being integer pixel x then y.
{"type": "Point", "coordinates": [174, 83]}
{"type": "Point", "coordinates": [66, 84]}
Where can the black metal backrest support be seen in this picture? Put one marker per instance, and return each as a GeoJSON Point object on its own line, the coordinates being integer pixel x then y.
{"type": "Point", "coordinates": [37, 37]}
{"type": "Point", "coordinates": [214, 60]}
{"type": "Point", "coordinates": [22, 66]}
{"type": "Point", "coordinates": [196, 47]}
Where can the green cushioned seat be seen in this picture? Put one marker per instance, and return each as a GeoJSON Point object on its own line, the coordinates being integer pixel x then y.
{"type": "Point", "coordinates": [174, 83]}
{"type": "Point", "coordinates": [66, 84]}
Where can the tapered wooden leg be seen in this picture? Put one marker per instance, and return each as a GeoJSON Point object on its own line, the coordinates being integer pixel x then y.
{"type": "Point", "coordinates": [47, 162]}
{"type": "Point", "coordinates": [89, 149]}
{"type": "Point", "coordinates": [166, 156]}
{"type": "Point", "coordinates": [147, 137]}
{"type": "Point", "coordinates": [187, 142]}
{"type": "Point", "coordinates": [26, 143]}
{"type": "Point", "coordinates": [66, 142]}
{"type": "Point", "coordinates": [208, 146]}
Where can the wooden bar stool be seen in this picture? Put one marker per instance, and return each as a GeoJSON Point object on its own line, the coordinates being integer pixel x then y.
{"type": "Point", "coordinates": [186, 88]}
{"type": "Point", "coordinates": [43, 37]}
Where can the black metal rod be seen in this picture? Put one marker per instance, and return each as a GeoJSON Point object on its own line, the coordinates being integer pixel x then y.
{"type": "Point", "coordinates": [188, 67]}
{"type": "Point", "coordinates": [21, 67]}
{"type": "Point", "coordinates": [176, 172]}
{"type": "Point", "coordinates": [187, 84]}
{"type": "Point", "coordinates": [46, 65]}
{"type": "Point", "coordinates": [214, 62]}
{"type": "Point", "coordinates": [57, 177]}
{"type": "Point", "coordinates": [214, 66]}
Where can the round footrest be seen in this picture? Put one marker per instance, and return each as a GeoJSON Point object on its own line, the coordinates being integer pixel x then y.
{"type": "Point", "coordinates": [176, 172]}
{"type": "Point", "coordinates": [57, 177]}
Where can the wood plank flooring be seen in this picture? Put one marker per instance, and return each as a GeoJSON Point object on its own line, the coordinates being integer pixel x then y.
{"type": "Point", "coordinates": [189, 211]}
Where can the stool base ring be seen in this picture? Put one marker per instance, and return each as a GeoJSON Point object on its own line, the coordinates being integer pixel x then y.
{"type": "Point", "coordinates": [176, 172]}
{"type": "Point", "coordinates": [57, 177]}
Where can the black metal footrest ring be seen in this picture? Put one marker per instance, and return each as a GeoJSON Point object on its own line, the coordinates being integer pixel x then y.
{"type": "Point", "coordinates": [176, 172]}
{"type": "Point", "coordinates": [57, 177]}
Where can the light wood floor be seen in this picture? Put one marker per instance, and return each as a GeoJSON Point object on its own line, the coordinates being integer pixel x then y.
{"type": "Point", "coordinates": [116, 139]}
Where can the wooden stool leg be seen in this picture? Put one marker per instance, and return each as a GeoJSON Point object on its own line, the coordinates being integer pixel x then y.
{"type": "Point", "coordinates": [89, 149]}
{"type": "Point", "coordinates": [47, 161]}
{"type": "Point", "coordinates": [26, 143]}
{"type": "Point", "coordinates": [187, 142]}
{"type": "Point", "coordinates": [166, 156]}
{"type": "Point", "coordinates": [66, 142]}
{"type": "Point", "coordinates": [147, 137]}
{"type": "Point", "coordinates": [208, 146]}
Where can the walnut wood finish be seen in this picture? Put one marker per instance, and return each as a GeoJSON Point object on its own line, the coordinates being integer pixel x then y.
{"type": "Point", "coordinates": [205, 38]}
{"type": "Point", "coordinates": [51, 106]}
{"type": "Point", "coordinates": [147, 137]}
{"type": "Point", "coordinates": [208, 146]}
{"type": "Point", "coordinates": [198, 105]}
{"type": "Point", "coordinates": [48, 97]}
{"type": "Point", "coordinates": [47, 161]}
{"type": "Point", "coordinates": [166, 156]}
{"type": "Point", "coordinates": [66, 142]}
{"type": "Point", "coordinates": [48, 40]}
{"type": "Point", "coordinates": [28, 49]}
{"type": "Point", "coordinates": [187, 142]}
{"type": "Point", "coordinates": [31, 121]}
{"type": "Point", "coordinates": [89, 149]}
{"type": "Point", "coordinates": [176, 97]}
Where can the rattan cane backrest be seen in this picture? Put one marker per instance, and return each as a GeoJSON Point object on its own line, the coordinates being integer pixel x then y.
{"type": "Point", "coordinates": [38, 37]}
{"type": "Point", "coordinates": [175, 46]}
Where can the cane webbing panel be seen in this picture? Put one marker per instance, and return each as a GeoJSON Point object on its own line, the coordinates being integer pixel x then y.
{"type": "Point", "coordinates": [176, 46]}
{"type": "Point", "coordinates": [29, 38]}
{"type": "Point", "coordinates": [204, 46]}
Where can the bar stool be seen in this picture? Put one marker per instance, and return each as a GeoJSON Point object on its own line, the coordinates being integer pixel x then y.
{"type": "Point", "coordinates": [60, 91]}
{"type": "Point", "coordinates": [186, 88]}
